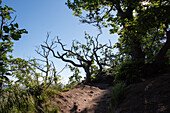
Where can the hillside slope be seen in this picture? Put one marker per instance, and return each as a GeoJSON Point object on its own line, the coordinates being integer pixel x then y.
{"type": "Point", "coordinates": [151, 96]}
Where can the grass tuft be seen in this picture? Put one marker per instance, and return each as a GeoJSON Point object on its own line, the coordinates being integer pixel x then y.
{"type": "Point", "coordinates": [117, 96]}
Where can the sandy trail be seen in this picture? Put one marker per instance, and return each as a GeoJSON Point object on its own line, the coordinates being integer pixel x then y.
{"type": "Point", "coordinates": [86, 99]}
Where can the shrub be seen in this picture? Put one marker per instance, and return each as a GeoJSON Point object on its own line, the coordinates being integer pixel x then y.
{"type": "Point", "coordinates": [128, 72]}
{"type": "Point", "coordinates": [49, 105]}
{"type": "Point", "coordinates": [16, 100]}
{"type": "Point", "coordinates": [50, 92]}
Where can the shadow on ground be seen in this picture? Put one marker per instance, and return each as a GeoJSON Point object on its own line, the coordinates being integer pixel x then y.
{"type": "Point", "coordinates": [151, 96]}
{"type": "Point", "coordinates": [86, 99]}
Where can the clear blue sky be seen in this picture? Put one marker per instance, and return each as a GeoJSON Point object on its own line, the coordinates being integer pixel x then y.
{"type": "Point", "coordinates": [42, 16]}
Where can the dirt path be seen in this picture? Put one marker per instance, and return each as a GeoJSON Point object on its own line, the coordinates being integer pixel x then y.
{"type": "Point", "coordinates": [86, 99]}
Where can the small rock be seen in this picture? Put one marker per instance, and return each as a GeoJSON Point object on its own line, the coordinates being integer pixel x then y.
{"type": "Point", "coordinates": [91, 92]}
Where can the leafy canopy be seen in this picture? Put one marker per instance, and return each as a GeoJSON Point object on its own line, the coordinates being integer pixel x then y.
{"type": "Point", "coordinates": [141, 24]}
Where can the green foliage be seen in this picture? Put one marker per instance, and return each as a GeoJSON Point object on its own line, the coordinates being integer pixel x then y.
{"type": "Point", "coordinates": [51, 92]}
{"type": "Point", "coordinates": [9, 31]}
{"type": "Point", "coordinates": [117, 95]}
{"type": "Point", "coordinates": [93, 78]}
{"type": "Point", "coordinates": [128, 72]}
{"type": "Point", "coordinates": [15, 99]}
{"type": "Point", "coordinates": [75, 77]}
{"type": "Point", "coordinates": [67, 88]}
{"type": "Point", "coordinates": [58, 87]}
{"type": "Point", "coordinates": [94, 70]}
{"type": "Point", "coordinates": [142, 26]}
{"type": "Point", "coordinates": [25, 73]}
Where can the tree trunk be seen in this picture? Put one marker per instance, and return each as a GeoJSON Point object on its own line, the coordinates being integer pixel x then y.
{"type": "Point", "coordinates": [135, 45]}
{"type": "Point", "coordinates": [88, 74]}
{"type": "Point", "coordinates": [160, 58]}
{"type": "Point", "coordinates": [136, 51]}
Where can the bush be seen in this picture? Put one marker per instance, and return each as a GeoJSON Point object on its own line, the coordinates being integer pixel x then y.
{"type": "Point", "coordinates": [50, 92]}
{"type": "Point", "coordinates": [128, 72]}
{"type": "Point", "coordinates": [49, 105]}
{"type": "Point", "coordinates": [16, 100]}
{"type": "Point", "coordinates": [44, 101]}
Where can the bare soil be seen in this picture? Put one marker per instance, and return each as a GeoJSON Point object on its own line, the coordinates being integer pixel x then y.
{"type": "Point", "coordinates": [86, 99]}
{"type": "Point", "coordinates": [150, 96]}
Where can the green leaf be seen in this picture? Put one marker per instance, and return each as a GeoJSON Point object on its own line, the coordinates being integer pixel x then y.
{"type": "Point", "coordinates": [16, 25]}
{"type": "Point", "coordinates": [8, 17]}
{"type": "Point", "coordinates": [15, 36]}
{"type": "Point", "coordinates": [6, 29]}
{"type": "Point", "coordinates": [23, 31]}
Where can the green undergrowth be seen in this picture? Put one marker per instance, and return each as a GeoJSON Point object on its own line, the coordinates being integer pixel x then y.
{"type": "Point", "coordinates": [128, 72]}
{"type": "Point", "coordinates": [17, 100]}
{"type": "Point", "coordinates": [117, 96]}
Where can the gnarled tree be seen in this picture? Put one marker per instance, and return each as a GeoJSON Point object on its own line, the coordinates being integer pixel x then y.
{"type": "Point", "coordinates": [134, 19]}
{"type": "Point", "coordinates": [81, 55]}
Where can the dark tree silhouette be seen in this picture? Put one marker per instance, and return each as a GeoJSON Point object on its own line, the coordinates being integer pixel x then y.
{"type": "Point", "coordinates": [81, 55]}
